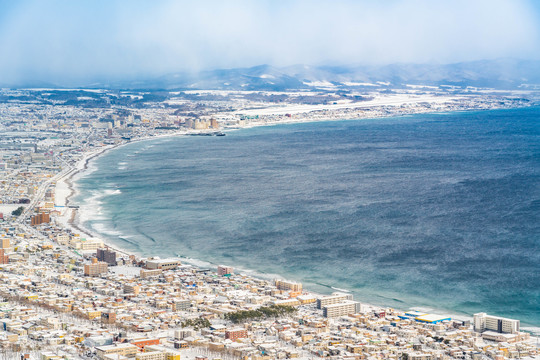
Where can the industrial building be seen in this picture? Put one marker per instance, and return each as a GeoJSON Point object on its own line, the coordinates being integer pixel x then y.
{"type": "Point", "coordinates": [424, 317]}
{"type": "Point", "coordinates": [163, 264]}
{"type": "Point", "coordinates": [432, 318]}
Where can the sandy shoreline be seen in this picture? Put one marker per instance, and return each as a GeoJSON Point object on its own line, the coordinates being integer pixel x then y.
{"type": "Point", "coordinates": [65, 187]}
{"type": "Point", "coordinates": [65, 191]}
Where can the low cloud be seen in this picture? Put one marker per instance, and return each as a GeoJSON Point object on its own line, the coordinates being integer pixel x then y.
{"type": "Point", "coordinates": [81, 42]}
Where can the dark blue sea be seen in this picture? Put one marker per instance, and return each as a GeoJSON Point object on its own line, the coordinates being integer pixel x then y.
{"type": "Point", "coordinates": [436, 211]}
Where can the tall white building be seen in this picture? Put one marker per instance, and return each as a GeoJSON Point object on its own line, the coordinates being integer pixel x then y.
{"type": "Point", "coordinates": [335, 298]}
{"type": "Point", "coordinates": [344, 308]}
{"type": "Point", "coordinates": [483, 322]}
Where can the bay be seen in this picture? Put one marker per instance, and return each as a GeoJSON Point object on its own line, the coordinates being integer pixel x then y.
{"type": "Point", "coordinates": [439, 211]}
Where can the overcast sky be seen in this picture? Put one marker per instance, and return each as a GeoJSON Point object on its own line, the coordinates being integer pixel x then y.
{"type": "Point", "coordinates": [82, 41]}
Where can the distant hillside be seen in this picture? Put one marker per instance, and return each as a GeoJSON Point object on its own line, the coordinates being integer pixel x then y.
{"type": "Point", "coordinates": [499, 74]}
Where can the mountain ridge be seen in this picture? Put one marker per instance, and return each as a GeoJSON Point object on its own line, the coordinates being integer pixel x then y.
{"type": "Point", "coordinates": [498, 74]}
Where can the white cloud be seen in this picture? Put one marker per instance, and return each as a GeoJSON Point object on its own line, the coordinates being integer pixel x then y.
{"type": "Point", "coordinates": [84, 40]}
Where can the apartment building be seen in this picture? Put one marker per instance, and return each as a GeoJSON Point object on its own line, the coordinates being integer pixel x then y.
{"type": "Point", "coordinates": [335, 298]}
{"type": "Point", "coordinates": [224, 270]}
{"type": "Point", "coordinates": [340, 309]}
{"type": "Point", "coordinates": [483, 322]}
{"type": "Point", "coordinates": [237, 333]}
{"type": "Point", "coordinates": [288, 285]}
{"type": "Point", "coordinates": [106, 255]}
{"type": "Point", "coordinates": [127, 350]}
{"type": "Point", "coordinates": [96, 268]}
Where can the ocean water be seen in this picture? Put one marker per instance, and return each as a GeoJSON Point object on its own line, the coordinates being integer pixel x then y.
{"type": "Point", "coordinates": [438, 211]}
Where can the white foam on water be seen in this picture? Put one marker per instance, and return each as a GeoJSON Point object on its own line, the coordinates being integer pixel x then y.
{"type": "Point", "coordinates": [112, 192]}
{"type": "Point", "coordinates": [103, 229]}
{"type": "Point", "coordinates": [531, 329]}
{"type": "Point", "coordinates": [91, 208]}
{"type": "Point", "coordinates": [237, 269]}
{"type": "Point", "coordinates": [342, 290]}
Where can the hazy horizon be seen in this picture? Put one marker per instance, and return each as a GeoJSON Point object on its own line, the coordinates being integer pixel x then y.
{"type": "Point", "coordinates": [67, 42]}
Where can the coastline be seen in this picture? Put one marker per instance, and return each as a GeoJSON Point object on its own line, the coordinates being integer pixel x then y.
{"type": "Point", "coordinates": [69, 218]}
{"type": "Point", "coordinates": [84, 164]}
